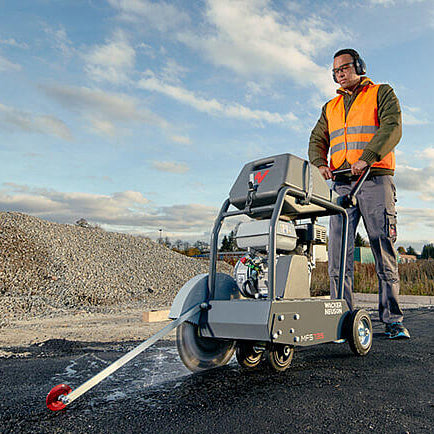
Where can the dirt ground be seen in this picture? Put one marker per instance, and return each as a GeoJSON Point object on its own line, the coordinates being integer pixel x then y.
{"type": "Point", "coordinates": [83, 327]}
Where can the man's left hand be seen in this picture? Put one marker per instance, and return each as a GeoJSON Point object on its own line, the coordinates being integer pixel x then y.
{"type": "Point", "coordinates": [358, 167]}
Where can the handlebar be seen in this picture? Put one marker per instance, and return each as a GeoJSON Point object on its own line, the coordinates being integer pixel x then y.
{"type": "Point", "coordinates": [349, 200]}
{"type": "Point", "coordinates": [341, 171]}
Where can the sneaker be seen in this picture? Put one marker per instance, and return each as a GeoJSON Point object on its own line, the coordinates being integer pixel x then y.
{"type": "Point", "coordinates": [388, 329]}
{"type": "Point", "coordinates": [397, 331]}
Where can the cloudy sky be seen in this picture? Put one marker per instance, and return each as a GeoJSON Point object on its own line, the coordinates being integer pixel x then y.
{"type": "Point", "coordinates": [138, 114]}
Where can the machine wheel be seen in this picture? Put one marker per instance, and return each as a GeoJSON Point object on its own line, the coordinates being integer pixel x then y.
{"type": "Point", "coordinates": [198, 353]}
{"type": "Point", "coordinates": [279, 356]}
{"type": "Point", "coordinates": [249, 356]}
{"type": "Point", "coordinates": [359, 332]}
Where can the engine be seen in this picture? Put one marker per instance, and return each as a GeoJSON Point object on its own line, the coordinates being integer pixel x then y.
{"type": "Point", "coordinates": [251, 271]}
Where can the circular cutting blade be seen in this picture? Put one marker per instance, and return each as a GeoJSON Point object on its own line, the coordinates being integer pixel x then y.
{"type": "Point", "coordinates": [198, 353]}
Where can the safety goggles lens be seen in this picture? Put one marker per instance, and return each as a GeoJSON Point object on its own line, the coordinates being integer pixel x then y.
{"type": "Point", "coordinates": [343, 68]}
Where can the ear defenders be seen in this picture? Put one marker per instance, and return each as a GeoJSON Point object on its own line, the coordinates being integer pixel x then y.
{"type": "Point", "coordinates": [359, 63]}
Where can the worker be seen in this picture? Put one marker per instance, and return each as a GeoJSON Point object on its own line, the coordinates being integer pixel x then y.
{"type": "Point", "coordinates": [360, 127]}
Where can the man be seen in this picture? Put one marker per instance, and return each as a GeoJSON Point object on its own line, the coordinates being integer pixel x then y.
{"type": "Point", "coordinates": [361, 127]}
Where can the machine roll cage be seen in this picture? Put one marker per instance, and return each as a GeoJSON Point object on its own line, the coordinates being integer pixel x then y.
{"type": "Point", "coordinates": [305, 198]}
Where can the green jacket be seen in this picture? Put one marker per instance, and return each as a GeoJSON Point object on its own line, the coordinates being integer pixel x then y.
{"type": "Point", "coordinates": [385, 139]}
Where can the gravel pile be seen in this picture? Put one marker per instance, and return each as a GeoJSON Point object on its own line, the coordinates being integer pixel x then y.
{"type": "Point", "coordinates": [46, 268]}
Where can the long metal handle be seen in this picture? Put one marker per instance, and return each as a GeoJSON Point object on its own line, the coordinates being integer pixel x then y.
{"type": "Point", "coordinates": [213, 249]}
{"type": "Point", "coordinates": [359, 182]}
{"type": "Point", "coordinates": [343, 261]}
{"type": "Point", "coordinates": [308, 184]}
{"type": "Point", "coordinates": [341, 171]}
{"type": "Point", "coordinates": [272, 237]}
{"type": "Point", "coordinates": [67, 399]}
{"type": "Point", "coordinates": [347, 201]}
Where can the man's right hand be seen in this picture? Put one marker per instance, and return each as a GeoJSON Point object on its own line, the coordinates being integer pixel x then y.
{"type": "Point", "coordinates": [326, 172]}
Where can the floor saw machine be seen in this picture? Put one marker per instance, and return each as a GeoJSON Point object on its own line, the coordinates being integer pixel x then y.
{"type": "Point", "coordinates": [265, 310]}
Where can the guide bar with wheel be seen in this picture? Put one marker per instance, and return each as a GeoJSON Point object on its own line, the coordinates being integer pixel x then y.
{"type": "Point", "coordinates": [61, 396]}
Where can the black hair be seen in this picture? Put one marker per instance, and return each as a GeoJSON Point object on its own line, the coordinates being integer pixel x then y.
{"type": "Point", "coordinates": [353, 53]}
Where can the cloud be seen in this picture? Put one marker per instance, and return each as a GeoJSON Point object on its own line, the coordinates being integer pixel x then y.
{"type": "Point", "coordinates": [147, 49]}
{"type": "Point", "coordinates": [388, 3]}
{"type": "Point", "coordinates": [170, 166]}
{"type": "Point", "coordinates": [159, 15]}
{"type": "Point", "coordinates": [7, 65]}
{"type": "Point", "coordinates": [13, 43]}
{"type": "Point", "coordinates": [255, 89]}
{"type": "Point", "coordinates": [60, 41]}
{"type": "Point", "coordinates": [427, 155]}
{"type": "Point", "coordinates": [129, 210]}
{"type": "Point", "coordinates": [173, 71]}
{"type": "Point", "coordinates": [23, 121]}
{"type": "Point", "coordinates": [419, 180]}
{"type": "Point", "coordinates": [65, 207]}
{"type": "Point", "coordinates": [112, 61]}
{"type": "Point", "coordinates": [255, 40]}
{"type": "Point", "coordinates": [195, 217]}
{"type": "Point", "coordinates": [415, 218]}
{"type": "Point", "coordinates": [413, 116]}
{"type": "Point", "coordinates": [382, 2]}
{"type": "Point", "coordinates": [214, 107]}
{"type": "Point", "coordinates": [249, 37]}
{"type": "Point", "coordinates": [106, 113]}
{"type": "Point", "coordinates": [183, 140]}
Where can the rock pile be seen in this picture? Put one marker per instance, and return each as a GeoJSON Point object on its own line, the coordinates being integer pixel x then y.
{"type": "Point", "coordinates": [46, 267]}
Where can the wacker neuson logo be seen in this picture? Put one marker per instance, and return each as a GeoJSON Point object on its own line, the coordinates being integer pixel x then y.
{"type": "Point", "coordinates": [333, 308]}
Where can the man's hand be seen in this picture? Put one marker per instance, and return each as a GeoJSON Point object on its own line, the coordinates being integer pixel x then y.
{"type": "Point", "coordinates": [326, 172]}
{"type": "Point", "coordinates": [358, 166]}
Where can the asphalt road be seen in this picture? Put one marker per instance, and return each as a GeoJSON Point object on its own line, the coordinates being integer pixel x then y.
{"type": "Point", "coordinates": [327, 389]}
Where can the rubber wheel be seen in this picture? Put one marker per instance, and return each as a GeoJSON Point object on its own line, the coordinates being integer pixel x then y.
{"type": "Point", "coordinates": [248, 355]}
{"type": "Point", "coordinates": [359, 332]}
{"type": "Point", "coordinates": [279, 357]}
{"type": "Point", "coordinates": [198, 353]}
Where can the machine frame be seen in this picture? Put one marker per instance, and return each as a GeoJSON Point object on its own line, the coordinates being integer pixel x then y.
{"type": "Point", "coordinates": [212, 319]}
{"type": "Point", "coordinates": [299, 322]}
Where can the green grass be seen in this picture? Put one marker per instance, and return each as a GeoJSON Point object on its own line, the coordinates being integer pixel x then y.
{"type": "Point", "coordinates": [416, 278]}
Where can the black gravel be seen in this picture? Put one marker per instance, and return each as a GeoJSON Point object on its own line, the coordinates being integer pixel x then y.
{"type": "Point", "coordinates": [327, 389]}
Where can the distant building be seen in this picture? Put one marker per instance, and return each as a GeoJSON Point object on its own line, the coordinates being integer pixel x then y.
{"type": "Point", "coordinates": [320, 253]}
{"type": "Point", "coordinates": [363, 255]}
{"type": "Point", "coordinates": [406, 259]}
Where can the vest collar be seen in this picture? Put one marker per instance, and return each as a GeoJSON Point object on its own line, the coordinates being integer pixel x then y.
{"type": "Point", "coordinates": [364, 81]}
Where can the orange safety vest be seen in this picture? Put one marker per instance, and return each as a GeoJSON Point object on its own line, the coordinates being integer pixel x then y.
{"type": "Point", "coordinates": [349, 136]}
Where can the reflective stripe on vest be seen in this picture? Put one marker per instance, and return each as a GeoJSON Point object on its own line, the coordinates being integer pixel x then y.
{"type": "Point", "coordinates": [349, 136]}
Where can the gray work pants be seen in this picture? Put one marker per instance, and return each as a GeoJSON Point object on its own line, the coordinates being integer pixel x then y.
{"type": "Point", "coordinates": [376, 206]}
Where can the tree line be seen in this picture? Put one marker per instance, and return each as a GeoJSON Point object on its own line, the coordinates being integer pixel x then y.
{"type": "Point", "coordinates": [427, 249]}
{"type": "Point", "coordinates": [198, 247]}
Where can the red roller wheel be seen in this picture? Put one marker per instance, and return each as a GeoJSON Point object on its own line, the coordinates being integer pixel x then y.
{"type": "Point", "coordinates": [53, 402]}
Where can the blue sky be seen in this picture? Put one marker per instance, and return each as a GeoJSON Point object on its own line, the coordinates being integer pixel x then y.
{"type": "Point", "coordinates": [138, 115]}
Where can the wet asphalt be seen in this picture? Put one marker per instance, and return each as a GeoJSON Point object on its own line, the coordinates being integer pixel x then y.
{"type": "Point", "coordinates": [326, 389]}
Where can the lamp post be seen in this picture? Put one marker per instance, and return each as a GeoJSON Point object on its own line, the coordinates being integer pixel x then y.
{"type": "Point", "coordinates": [161, 236]}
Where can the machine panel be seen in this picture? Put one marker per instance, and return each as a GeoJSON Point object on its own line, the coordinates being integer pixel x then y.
{"type": "Point", "coordinates": [237, 319]}
{"type": "Point", "coordinates": [306, 322]}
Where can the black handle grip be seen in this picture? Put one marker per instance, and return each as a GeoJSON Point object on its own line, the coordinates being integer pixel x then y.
{"type": "Point", "coordinates": [264, 163]}
{"type": "Point", "coordinates": [349, 199]}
